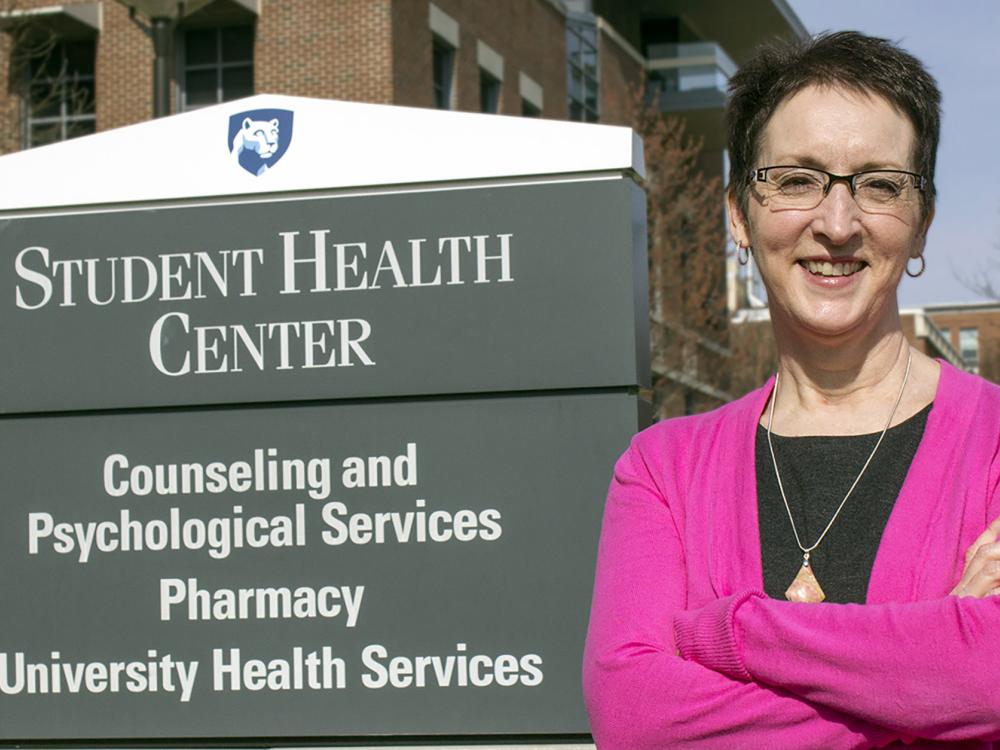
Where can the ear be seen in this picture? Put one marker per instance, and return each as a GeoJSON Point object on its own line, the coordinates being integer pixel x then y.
{"type": "Point", "coordinates": [921, 243]}
{"type": "Point", "coordinates": [738, 226]}
{"type": "Point", "coordinates": [247, 123]}
{"type": "Point", "coordinates": [274, 123]}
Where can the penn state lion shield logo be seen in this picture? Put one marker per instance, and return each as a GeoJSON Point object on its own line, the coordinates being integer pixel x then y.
{"type": "Point", "coordinates": [259, 138]}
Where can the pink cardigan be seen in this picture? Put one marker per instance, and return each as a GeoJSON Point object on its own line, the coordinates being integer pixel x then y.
{"type": "Point", "coordinates": [684, 649]}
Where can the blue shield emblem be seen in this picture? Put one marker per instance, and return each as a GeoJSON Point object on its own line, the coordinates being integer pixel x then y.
{"type": "Point", "coordinates": [259, 138]}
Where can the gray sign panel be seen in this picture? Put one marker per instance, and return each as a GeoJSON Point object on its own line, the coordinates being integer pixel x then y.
{"type": "Point", "coordinates": [480, 289]}
{"type": "Point", "coordinates": [275, 571]}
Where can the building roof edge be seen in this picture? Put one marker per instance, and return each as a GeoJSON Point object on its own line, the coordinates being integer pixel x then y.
{"type": "Point", "coordinates": [792, 18]}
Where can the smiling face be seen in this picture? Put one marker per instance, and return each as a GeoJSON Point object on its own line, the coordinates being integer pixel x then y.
{"type": "Point", "coordinates": [832, 271]}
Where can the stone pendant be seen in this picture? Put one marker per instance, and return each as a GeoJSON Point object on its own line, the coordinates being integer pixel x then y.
{"type": "Point", "coordinates": [805, 587]}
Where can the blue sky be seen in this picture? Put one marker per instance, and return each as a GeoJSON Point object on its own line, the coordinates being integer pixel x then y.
{"type": "Point", "coordinates": [958, 42]}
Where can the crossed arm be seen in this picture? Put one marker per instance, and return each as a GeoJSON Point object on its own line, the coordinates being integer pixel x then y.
{"type": "Point", "coordinates": [747, 671]}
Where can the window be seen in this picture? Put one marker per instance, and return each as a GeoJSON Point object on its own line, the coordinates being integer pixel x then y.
{"type": "Point", "coordinates": [489, 93]}
{"type": "Point", "coordinates": [444, 73]}
{"type": "Point", "coordinates": [60, 93]}
{"type": "Point", "coordinates": [218, 65]}
{"type": "Point", "coordinates": [529, 110]}
{"type": "Point", "coordinates": [490, 64]}
{"type": "Point", "coordinates": [968, 346]}
{"type": "Point", "coordinates": [445, 36]}
{"type": "Point", "coordinates": [581, 56]}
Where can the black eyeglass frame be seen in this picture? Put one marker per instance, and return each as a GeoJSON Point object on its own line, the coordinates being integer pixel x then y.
{"type": "Point", "coordinates": [760, 175]}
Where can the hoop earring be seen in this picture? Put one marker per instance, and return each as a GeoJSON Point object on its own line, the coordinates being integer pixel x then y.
{"type": "Point", "coordinates": [743, 254]}
{"type": "Point", "coordinates": [923, 265]}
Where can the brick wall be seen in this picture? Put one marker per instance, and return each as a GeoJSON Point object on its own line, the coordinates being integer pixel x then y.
{"type": "Point", "coordinates": [358, 50]}
{"type": "Point", "coordinates": [332, 49]}
{"type": "Point", "coordinates": [412, 77]}
{"type": "Point", "coordinates": [339, 49]}
{"type": "Point", "coordinates": [124, 72]}
{"type": "Point", "coordinates": [528, 34]}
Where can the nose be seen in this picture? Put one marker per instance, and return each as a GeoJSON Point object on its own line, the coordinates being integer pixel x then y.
{"type": "Point", "coordinates": [838, 215]}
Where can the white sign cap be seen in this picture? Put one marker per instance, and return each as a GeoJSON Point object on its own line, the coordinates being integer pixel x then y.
{"type": "Point", "coordinates": [325, 145]}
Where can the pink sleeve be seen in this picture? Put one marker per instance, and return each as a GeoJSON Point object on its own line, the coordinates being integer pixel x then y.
{"type": "Point", "coordinates": [994, 490]}
{"type": "Point", "coordinates": [639, 694]}
{"type": "Point", "coordinates": [926, 669]}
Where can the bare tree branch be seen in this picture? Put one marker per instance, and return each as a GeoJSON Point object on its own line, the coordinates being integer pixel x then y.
{"type": "Point", "coordinates": [38, 74]}
{"type": "Point", "coordinates": [983, 282]}
{"type": "Point", "coordinates": [687, 293]}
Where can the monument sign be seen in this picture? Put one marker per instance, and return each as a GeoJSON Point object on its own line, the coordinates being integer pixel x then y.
{"type": "Point", "coordinates": [306, 417]}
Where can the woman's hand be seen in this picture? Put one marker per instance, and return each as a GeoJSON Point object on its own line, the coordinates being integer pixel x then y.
{"type": "Point", "coordinates": [981, 576]}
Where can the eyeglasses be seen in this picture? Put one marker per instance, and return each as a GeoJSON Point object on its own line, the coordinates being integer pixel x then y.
{"type": "Point", "coordinates": [875, 190]}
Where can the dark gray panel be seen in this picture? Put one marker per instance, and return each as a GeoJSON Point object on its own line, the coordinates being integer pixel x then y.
{"type": "Point", "coordinates": [568, 318]}
{"type": "Point", "coordinates": [542, 462]}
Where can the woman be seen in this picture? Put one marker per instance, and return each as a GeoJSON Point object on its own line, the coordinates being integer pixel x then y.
{"type": "Point", "coordinates": [865, 472]}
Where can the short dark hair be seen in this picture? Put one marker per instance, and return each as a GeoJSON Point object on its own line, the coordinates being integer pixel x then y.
{"type": "Point", "coordinates": [846, 59]}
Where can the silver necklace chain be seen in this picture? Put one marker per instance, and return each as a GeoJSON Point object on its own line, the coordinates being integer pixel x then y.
{"type": "Point", "coordinates": [774, 461]}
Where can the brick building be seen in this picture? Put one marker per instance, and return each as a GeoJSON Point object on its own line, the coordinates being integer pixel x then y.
{"type": "Point", "coordinates": [973, 330]}
{"type": "Point", "coordinates": [507, 57]}
{"type": "Point", "coordinates": [82, 66]}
